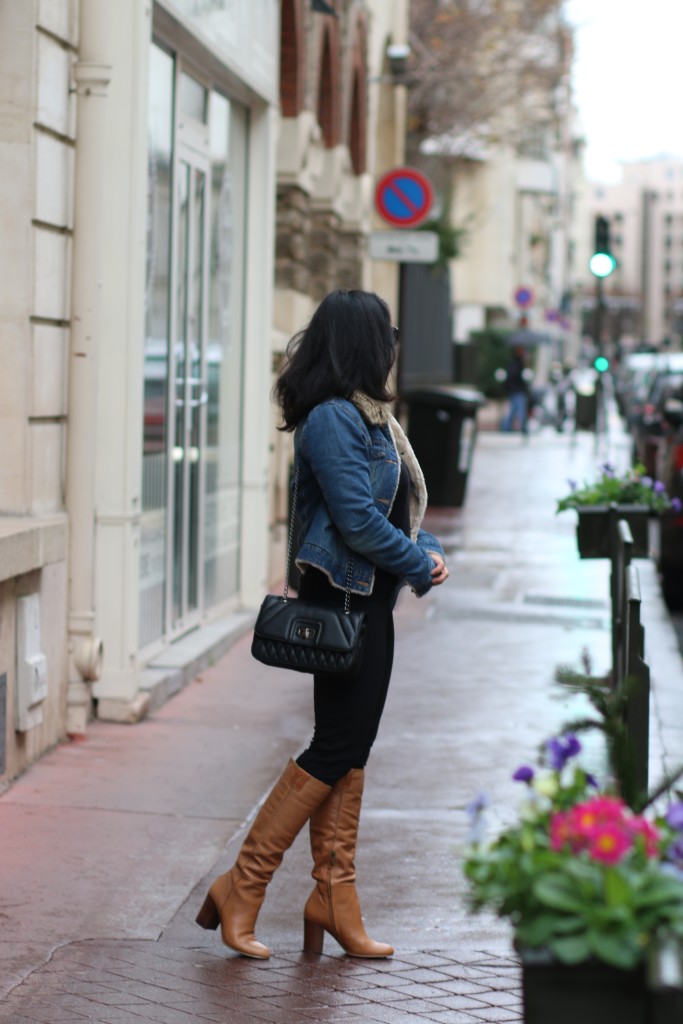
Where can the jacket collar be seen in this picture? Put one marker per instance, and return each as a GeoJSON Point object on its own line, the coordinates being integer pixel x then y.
{"type": "Point", "coordinates": [377, 413]}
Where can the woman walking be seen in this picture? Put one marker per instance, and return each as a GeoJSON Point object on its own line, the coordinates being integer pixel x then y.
{"type": "Point", "coordinates": [361, 500]}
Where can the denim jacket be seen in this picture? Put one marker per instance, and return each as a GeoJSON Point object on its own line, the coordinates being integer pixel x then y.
{"type": "Point", "coordinates": [349, 468]}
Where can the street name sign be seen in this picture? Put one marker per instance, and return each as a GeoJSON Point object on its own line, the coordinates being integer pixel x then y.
{"type": "Point", "coordinates": [404, 246]}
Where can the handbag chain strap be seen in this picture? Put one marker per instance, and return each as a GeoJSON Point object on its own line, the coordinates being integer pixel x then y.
{"type": "Point", "coordinates": [290, 542]}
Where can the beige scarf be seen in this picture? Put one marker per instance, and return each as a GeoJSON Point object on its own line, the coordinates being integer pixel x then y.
{"type": "Point", "coordinates": [377, 413]}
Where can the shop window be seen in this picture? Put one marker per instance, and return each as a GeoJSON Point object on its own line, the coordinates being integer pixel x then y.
{"type": "Point", "coordinates": [193, 360]}
{"type": "Point", "coordinates": [192, 97]}
{"type": "Point", "coordinates": [155, 427]}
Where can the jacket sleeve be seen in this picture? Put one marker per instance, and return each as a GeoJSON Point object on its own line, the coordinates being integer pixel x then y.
{"type": "Point", "coordinates": [428, 542]}
{"type": "Point", "coordinates": [335, 445]}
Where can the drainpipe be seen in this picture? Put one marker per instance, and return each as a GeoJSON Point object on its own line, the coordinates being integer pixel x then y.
{"type": "Point", "coordinates": [91, 76]}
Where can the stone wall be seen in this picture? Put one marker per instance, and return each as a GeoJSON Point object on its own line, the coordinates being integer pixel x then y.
{"type": "Point", "coordinates": [314, 254]}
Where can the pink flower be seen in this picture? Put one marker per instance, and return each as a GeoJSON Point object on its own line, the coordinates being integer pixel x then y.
{"type": "Point", "coordinates": [605, 808]}
{"type": "Point", "coordinates": [585, 817]}
{"type": "Point", "coordinates": [640, 827]}
{"type": "Point", "coordinates": [605, 828]}
{"type": "Point", "coordinates": [560, 831]}
{"type": "Point", "coordinates": [608, 844]}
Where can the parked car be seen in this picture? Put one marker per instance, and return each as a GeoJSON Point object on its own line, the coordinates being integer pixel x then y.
{"type": "Point", "coordinates": [670, 472]}
{"type": "Point", "coordinates": [648, 425]}
{"type": "Point", "coordinates": [632, 381]}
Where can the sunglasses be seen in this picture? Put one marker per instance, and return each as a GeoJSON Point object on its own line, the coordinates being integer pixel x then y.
{"type": "Point", "coordinates": [397, 335]}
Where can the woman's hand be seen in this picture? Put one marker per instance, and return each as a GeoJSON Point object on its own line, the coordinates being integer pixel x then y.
{"type": "Point", "coordinates": [439, 572]}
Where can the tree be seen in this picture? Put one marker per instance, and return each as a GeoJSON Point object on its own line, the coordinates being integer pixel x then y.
{"type": "Point", "coordinates": [484, 72]}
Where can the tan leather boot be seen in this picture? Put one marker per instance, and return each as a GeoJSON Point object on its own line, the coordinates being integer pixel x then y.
{"type": "Point", "coordinates": [333, 905]}
{"type": "Point", "coordinates": [235, 898]}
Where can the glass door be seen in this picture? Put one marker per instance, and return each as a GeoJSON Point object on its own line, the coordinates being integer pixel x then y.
{"type": "Point", "coordinates": [189, 387]}
{"type": "Point", "coordinates": [193, 362]}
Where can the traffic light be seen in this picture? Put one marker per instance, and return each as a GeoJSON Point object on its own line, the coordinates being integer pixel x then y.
{"type": "Point", "coordinates": [601, 364]}
{"type": "Point", "coordinates": [602, 262]}
{"type": "Point", "coordinates": [602, 234]}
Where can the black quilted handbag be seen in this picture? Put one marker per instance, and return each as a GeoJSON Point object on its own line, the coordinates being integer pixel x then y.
{"type": "Point", "coordinates": [306, 637]}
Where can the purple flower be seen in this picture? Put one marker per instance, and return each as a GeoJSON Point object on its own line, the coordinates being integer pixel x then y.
{"type": "Point", "coordinates": [673, 870]}
{"type": "Point", "coordinates": [659, 487]}
{"type": "Point", "coordinates": [475, 807]}
{"type": "Point", "coordinates": [676, 505]}
{"type": "Point", "coordinates": [646, 481]}
{"type": "Point", "coordinates": [572, 745]}
{"type": "Point", "coordinates": [572, 485]}
{"type": "Point", "coordinates": [475, 813]}
{"type": "Point", "coordinates": [560, 749]}
{"type": "Point", "coordinates": [675, 851]}
{"type": "Point", "coordinates": [523, 774]}
{"type": "Point", "coordinates": [608, 469]}
{"type": "Point", "coordinates": [674, 816]}
{"type": "Point", "coordinates": [591, 780]}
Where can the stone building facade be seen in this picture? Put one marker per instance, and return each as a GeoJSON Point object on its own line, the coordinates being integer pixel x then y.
{"type": "Point", "coordinates": [343, 121]}
{"type": "Point", "coordinates": [137, 185]}
{"type": "Point", "coordinates": [180, 184]}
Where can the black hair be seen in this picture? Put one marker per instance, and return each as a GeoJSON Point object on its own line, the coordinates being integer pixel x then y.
{"type": "Point", "coordinates": [348, 346]}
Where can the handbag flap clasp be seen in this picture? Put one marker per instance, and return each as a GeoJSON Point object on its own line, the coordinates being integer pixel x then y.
{"type": "Point", "coordinates": [307, 631]}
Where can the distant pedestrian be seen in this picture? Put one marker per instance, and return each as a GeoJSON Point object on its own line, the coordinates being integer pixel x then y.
{"type": "Point", "coordinates": [517, 391]}
{"type": "Point", "coordinates": [361, 499]}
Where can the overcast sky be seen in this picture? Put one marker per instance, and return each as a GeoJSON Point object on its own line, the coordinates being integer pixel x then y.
{"type": "Point", "coordinates": [628, 80]}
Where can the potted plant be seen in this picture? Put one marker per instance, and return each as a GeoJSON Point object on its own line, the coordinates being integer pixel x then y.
{"type": "Point", "coordinates": [593, 889]}
{"type": "Point", "coordinates": [633, 496]}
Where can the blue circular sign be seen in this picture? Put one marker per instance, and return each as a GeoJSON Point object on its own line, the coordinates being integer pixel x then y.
{"type": "Point", "coordinates": [524, 297]}
{"type": "Point", "coordinates": [404, 197]}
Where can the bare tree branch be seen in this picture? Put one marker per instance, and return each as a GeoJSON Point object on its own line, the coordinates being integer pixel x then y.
{"type": "Point", "coordinates": [486, 69]}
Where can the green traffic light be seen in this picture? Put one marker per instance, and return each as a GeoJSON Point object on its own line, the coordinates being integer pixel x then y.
{"type": "Point", "coordinates": [602, 264]}
{"type": "Point", "coordinates": [601, 364]}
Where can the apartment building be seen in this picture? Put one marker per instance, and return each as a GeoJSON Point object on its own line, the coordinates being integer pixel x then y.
{"type": "Point", "coordinates": [644, 295]}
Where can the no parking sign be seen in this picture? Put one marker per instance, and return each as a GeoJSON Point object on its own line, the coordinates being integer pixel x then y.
{"type": "Point", "coordinates": [404, 197]}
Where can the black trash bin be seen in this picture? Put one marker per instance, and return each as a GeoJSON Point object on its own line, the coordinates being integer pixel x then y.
{"type": "Point", "coordinates": [586, 410]}
{"type": "Point", "coordinates": [442, 428]}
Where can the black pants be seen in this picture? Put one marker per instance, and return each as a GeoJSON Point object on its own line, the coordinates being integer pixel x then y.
{"type": "Point", "coordinates": [348, 711]}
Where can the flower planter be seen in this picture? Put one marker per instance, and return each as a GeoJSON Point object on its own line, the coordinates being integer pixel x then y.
{"type": "Point", "coordinates": [585, 993]}
{"type": "Point", "coordinates": [596, 524]}
{"type": "Point", "coordinates": [592, 993]}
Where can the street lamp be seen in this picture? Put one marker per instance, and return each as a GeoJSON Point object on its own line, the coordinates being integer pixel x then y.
{"type": "Point", "coordinates": [398, 55]}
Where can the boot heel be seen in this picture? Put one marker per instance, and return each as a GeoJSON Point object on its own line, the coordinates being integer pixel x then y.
{"type": "Point", "coordinates": [208, 916]}
{"type": "Point", "coordinates": [314, 936]}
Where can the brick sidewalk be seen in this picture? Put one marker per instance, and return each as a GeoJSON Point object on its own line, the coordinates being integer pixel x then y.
{"type": "Point", "coordinates": [107, 981]}
{"type": "Point", "coordinates": [109, 845]}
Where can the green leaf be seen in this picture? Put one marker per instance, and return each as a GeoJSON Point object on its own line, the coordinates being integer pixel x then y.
{"type": "Point", "coordinates": [588, 873]}
{"type": "Point", "coordinates": [617, 890]}
{"type": "Point", "coordinates": [537, 931]}
{"type": "Point", "coordinates": [571, 949]}
{"type": "Point", "coordinates": [659, 889]}
{"type": "Point", "coordinates": [558, 892]}
{"type": "Point", "coordinates": [620, 949]}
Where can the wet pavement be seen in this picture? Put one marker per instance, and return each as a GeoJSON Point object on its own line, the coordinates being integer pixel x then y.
{"type": "Point", "coordinates": [108, 845]}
